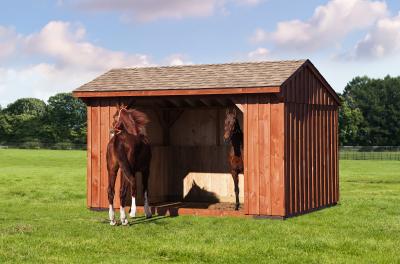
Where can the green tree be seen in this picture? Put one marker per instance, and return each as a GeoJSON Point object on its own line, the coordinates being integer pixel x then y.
{"type": "Point", "coordinates": [350, 120]}
{"type": "Point", "coordinates": [67, 118]}
{"type": "Point", "coordinates": [378, 101]}
{"type": "Point", "coordinates": [21, 120]}
{"type": "Point", "coordinates": [29, 106]}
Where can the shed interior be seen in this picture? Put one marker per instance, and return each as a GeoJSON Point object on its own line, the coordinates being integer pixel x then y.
{"type": "Point", "coordinates": [189, 167]}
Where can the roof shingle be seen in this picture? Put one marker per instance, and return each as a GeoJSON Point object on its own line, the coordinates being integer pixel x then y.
{"type": "Point", "coordinates": [207, 76]}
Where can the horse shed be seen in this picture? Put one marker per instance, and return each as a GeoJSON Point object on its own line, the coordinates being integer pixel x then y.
{"type": "Point", "coordinates": [288, 113]}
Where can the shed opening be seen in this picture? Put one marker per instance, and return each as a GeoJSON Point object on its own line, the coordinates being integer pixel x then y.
{"type": "Point", "coordinates": [189, 167]}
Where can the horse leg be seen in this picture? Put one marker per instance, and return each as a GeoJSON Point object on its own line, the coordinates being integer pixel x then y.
{"type": "Point", "coordinates": [128, 178]}
{"type": "Point", "coordinates": [235, 176]}
{"type": "Point", "coordinates": [132, 211]}
{"type": "Point", "coordinates": [112, 176]}
{"type": "Point", "coordinates": [122, 194]}
{"type": "Point", "coordinates": [145, 176]}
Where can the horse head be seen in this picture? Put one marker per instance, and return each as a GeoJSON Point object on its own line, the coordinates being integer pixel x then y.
{"type": "Point", "coordinates": [229, 125]}
{"type": "Point", "coordinates": [129, 120]}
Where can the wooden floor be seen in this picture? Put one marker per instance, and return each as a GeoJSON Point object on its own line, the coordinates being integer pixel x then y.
{"type": "Point", "coordinates": [194, 208]}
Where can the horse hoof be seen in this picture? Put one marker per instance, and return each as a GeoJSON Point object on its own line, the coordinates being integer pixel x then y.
{"type": "Point", "coordinates": [113, 222]}
{"type": "Point", "coordinates": [149, 215]}
{"type": "Point", "coordinates": [132, 214]}
{"type": "Point", "coordinates": [124, 222]}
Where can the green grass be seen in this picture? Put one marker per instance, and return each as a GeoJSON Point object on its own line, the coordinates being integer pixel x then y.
{"type": "Point", "coordinates": [369, 155]}
{"type": "Point", "coordinates": [43, 219]}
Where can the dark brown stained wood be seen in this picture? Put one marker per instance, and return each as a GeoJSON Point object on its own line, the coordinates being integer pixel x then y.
{"type": "Point", "coordinates": [89, 158]}
{"type": "Point", "coordinates": [301, 160]}
{"type": "Point", "coordinates": [327, 145]}
{"type": "Point", "coordinates": [312, 159]}
{"type": "Point", "coordinates": [337, 155]}
{"type": "Point", "coordinates": [290, 90]}
{"type": "Point", "coordinates": [95, 116]}
{"type": "Point", "coordinates": [288, 156]}
{"type": "Point", "coordinates": [304, 153]}
{"type": "Point", "coordinates": [335, 158]}
{"type": "Point", "coordinates": [253, 155]}
{"type": "Point", "coordinates": [296, 160]}
{"type": "Point", "coordinates": [325, 154]}
{"type": "Point", "coordinates": [318, 153]}
{"type": "Point", "coordinates": [178, 92]}
{"type": "Point", "coordinates": [277, 160]}
{"type": "Point", "coordinates": [293, 157]}
{"type": "Point", "coordinates": [306, 158]}
{"type": "Point", "coordinates": [297, 88]}
{"type": "Point", "coordinates": [264, 154]}
{"type": "Point", "coordinates": [310, 156]}
{"type": "Point", "coordinates": [322, 153]}
{"type": "Point", "coordinates": [306, 87]}
{"type": "Point", "coordinates": [331, 157]}
{"type": "Point", "coordinates": [246, 155]}
{"type": "Point", "coordinates": [301, 92]}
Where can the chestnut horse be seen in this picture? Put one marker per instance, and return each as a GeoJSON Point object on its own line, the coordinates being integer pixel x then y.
{"type": "Point", "coordinates": [234, 135]}
{"type": "Point", "coordinates": [128, 150]}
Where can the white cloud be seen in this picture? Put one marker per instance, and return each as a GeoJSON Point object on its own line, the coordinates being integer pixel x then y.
{"type": "Point", "coordinates": [259, 36]}
{"type": "Point", "coordinates": [8, 41]}
{"type": "Point", "coordinates": [67, 45]}
{"type": "Point", "coordinates": [40, 80]}
{"type": "Point", "coordinates": [67, 60]}
{"type": "Point", "coordinates": [178, 60]}
{"type": "Point", "coordinates": [151, 10]}
{"type": "Point", "coordinates": [381, 41]}
{"type": "Point", "coordinates": [249, 2]}
{"type": "Point", "coordinates": [259, 54]}
{"type": "Point", "coordinates": [329, 24]}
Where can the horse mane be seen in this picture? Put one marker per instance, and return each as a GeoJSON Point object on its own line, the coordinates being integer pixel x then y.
{"type": "Point", "coordinates": [140, 118]}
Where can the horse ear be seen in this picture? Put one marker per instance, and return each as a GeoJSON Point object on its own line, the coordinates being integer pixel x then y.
{"type": "Point", "coordinates": [234, 111]}
{"type": "Point", "coordinates": [227, 111]}
{"type": "Point", "coordinates": [128, 122]}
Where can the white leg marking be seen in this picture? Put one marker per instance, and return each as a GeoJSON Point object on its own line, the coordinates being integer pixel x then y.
{"type": "Point", "coordinates": [147, 210]}
{"type": "Point", "coordinates": [133, 208]}
{"type": "Point", "coordinates": [111, 215]}
{"type": "Point", "coordinates": [124, 221]}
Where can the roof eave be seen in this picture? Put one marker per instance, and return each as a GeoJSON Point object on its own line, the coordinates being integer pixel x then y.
{"type": "Point", "coordinates": [177, 92]}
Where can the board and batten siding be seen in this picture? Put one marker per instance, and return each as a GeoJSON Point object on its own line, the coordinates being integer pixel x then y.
{"type": "Point", "coordinates": [264, 156]}
{"type": "Point", "coordinates": [311, 143]}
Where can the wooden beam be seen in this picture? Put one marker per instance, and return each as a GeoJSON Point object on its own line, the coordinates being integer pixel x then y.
{"type": "Point", "coordinates": [205, 102]}
{"type": "Point", "coordinates": [178, 92]}
{"type": "Point", "coordinates": [239, 103]}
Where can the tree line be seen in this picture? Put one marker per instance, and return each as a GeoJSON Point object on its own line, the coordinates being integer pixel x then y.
{"type": "Point", "coordinates": [370, 112]}
{"type": "Point", "coordinates": [30, 122]}
{"type": "Point", "coordinates": [369, 116]}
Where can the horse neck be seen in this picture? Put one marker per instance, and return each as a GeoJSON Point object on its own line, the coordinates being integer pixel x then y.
{"type": "Point", "coordinates": [237, 139]}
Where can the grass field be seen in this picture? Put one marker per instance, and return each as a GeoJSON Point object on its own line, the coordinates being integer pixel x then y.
{"type": "Point", "coordinates": [43, 219]}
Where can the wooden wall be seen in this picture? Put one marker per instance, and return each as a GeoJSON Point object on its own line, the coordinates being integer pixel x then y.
{"type": "Point", "coordinates": [196, 148]}
{"type": "Point", "coordinates": [311, 144]}
{"type": "Point", "coordinates": [290, 152]}
{"type": "Point", "coordinates": [264, 156]}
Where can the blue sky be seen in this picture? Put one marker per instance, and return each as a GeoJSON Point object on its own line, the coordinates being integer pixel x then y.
{"type": "Point", "coordinates": [53, 46]}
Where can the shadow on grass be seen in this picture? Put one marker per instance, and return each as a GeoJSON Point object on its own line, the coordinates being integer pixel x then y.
{"type": "Point", "coordinates": [139, 220]}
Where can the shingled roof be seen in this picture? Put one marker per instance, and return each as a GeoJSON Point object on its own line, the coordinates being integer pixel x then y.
{"type": "Point", "coordinates": [206, 76]}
